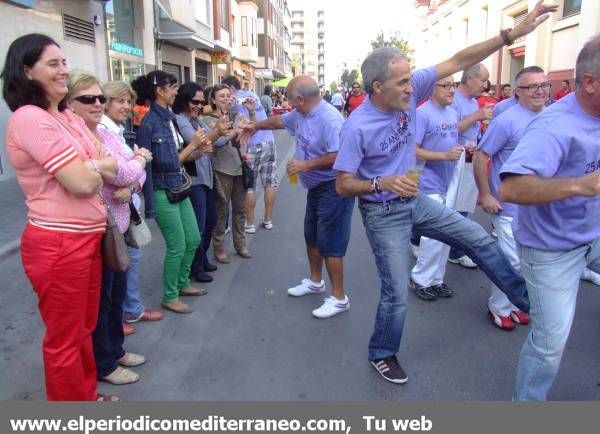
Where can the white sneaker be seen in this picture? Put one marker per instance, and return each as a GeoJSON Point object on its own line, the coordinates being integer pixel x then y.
{"type": "Point", "coordinates": [591, 276]}
{"type": "Point", "coordinates": [415, 250]}
{"type": "Point", "coordinates": [464, 260]}
{"type": "Point", "coordinates": [227, 230]}
{"type": "Point", "coordinates": [267, 225]}
{"type": "Point", "coordinates": [332, 306]}
{"type": "Point", "coordinates": [307, 287]}
{"type": "Point", "coordinates": [250, 229]}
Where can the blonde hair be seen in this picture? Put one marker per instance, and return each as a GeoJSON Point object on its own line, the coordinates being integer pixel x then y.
{"type": "Point", "coordinates": [114, 89]}
{"type": "Point", "coordinates": [78, 80]}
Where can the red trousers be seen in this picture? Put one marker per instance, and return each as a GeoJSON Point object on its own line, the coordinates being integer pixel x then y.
{"type": "Point", "coordinates": [65, 270]}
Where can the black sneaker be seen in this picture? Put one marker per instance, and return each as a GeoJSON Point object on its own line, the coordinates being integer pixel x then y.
{"type": "Point", "coordinates": [442, 290]}
{"type": "Point", "coordinates": [390, 369]}
{"type": "Point", "coordinates": [424, 292]}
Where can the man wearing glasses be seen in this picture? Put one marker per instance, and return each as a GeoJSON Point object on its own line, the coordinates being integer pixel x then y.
{"type": "Point", "coordinates": [355, 99]}
{"type": "Point", "coordinates": [554, 176]}
{"type": "Point", "coordinates": [498, 143]}
{"type": "Point", "coordinates": [437, 143]}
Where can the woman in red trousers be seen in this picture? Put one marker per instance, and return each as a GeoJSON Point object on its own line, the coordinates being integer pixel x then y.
{"type": "Point", "coordinates": [60, 170]}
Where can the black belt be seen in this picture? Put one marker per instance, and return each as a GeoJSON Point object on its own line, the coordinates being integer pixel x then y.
{"type": "Point", "coordinates": [362, 201]}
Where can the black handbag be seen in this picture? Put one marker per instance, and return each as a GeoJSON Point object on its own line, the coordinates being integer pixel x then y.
{"type": "Point", "coordinates": [176, 195]}
{"type": "Point", "coordinates": [247, 172]}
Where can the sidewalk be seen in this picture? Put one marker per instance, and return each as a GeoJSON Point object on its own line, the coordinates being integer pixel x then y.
{"type": "Point", "coordinates": [13, 217]}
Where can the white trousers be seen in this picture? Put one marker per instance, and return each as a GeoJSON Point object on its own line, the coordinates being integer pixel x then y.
{"type": "Point", "coordinates": [498, 303]}
{"type": "Point", "coordinates": [433, 256]}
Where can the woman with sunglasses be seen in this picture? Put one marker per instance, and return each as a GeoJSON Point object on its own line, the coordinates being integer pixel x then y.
{"type": "Point", "coordinates": [85, 98]}
{"type": "Point", "coordinates": [229, 181]}
{"type": "Point", "coordinates": [119, 99]}
{"type": "Point", "coordinates": [60, 169]}
{"type": "Point", "coordinates": [188, 106]}
{"type": "Point", "coordinates": [176, 221]}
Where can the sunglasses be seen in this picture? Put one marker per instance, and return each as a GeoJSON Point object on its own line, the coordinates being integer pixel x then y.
{"type": "Point", "coordinates": [196, 102]}
{"type": "Point", "coordinates": [90, 99]}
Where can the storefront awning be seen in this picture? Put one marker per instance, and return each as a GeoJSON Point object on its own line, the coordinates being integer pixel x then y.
{"type": "Point", "coordinates": [187, 39]}
{"type": "Point", "coordinates": [267, 74]}
{"type": "Point", "coordinates": [240, 72]}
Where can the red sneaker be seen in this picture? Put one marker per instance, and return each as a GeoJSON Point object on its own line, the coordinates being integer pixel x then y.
{"type": "Point", "coordinates": [128, 329]}
{"type": "Point", "coordinates": [519, 317]}
{"type": "Point", "coordinates": [503, 322]}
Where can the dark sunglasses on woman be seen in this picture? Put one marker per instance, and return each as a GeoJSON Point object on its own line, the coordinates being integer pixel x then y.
{"type": "Point", "coordinates": [90, 99]}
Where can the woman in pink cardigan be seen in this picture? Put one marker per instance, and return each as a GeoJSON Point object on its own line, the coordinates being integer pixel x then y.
{"type": "Point", "coordinates": [86, 99]}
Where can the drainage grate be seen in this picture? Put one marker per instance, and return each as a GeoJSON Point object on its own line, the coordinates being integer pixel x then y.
{"type": "Point", "coordinates": [79, 29]}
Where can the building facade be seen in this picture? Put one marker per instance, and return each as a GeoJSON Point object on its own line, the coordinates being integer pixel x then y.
{"type": "Point", "coordinates": [308, 41]}
{"type": "Point", "coordinates": [450, 25]}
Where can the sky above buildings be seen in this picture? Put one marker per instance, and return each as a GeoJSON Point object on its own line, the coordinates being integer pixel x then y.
{"type": "Point", "coordinates": [350, 25]}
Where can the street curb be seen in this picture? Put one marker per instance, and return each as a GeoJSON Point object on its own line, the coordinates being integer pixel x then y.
{"type": "Point", "coordinates": [9, 249]}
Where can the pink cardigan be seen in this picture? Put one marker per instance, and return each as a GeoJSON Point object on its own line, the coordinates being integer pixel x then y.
{"type": "Point", "coordinates": [129, 171]}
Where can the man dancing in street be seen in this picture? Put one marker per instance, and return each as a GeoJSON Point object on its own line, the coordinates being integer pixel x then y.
{"type": "Point", "coordinates": [377, 149]}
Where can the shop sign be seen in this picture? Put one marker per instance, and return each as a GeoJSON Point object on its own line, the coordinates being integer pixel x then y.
{"type": "Point", "coordinates": [217, 57]}
{"type": "Point", "coordinates": [127, 49]}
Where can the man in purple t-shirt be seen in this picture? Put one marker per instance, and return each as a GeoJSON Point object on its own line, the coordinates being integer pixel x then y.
{"type": "Point", "coordinates": [472, 84]}
{"type": "Point", "coordinates": [437, 143]}
{"type": "Point", "coordinates": [316, 125]}
{"type": "Point", "coordinates": [377, 149]}
{"type": "Point", "coordinates": [554, 176]}
{"type": "Point", "coordinates": [498, 143]}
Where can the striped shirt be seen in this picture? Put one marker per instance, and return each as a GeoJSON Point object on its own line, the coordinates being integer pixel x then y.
{"type": "Point", "coordinates": [39, 146]}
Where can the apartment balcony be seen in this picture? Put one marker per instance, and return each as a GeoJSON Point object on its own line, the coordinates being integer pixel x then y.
{"type": "Point", "coordinates": [177, 25]}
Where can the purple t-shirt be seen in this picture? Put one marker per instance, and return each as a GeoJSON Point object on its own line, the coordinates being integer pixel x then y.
{"type": "Point", "coordinates": [377, 143]}
{"type": "Point", "coordinates": [260, 136]}
{"type": "Point", "coordinates": [503, 105]}
{"type": "Point", "coordinates": [499, 142]}
{"type": "Point", "coordinates": [562, 142]}
{"type": "Point", "coordinates": [437, 131]}
{"type": "Point", "coordinates": [465, 107]}
{"type": "Point", "coordinates": [316, 134]}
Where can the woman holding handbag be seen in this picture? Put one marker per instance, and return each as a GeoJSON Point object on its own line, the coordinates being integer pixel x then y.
{"type": "Point", "coordinates": [85, 98]}
{"type": "Point", "coordinates": [229, 179]}
{"type": "Point", "coordinates": [167, 186]}
{"type": "Point", "coordinates": [188, 106]}
{"type": "Point", "coordinates": [60, 169]}
{"type": "Point", "coordinates": [119, 97]}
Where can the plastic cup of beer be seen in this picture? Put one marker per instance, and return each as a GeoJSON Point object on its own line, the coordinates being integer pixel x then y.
{"type": "Point", "coordinates": [416, 170]}
{"type": "Point", "coordinates": [293, 179]}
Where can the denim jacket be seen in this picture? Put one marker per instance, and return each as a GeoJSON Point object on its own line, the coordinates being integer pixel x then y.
{"type": "Point", "coordinates": [164, 172]}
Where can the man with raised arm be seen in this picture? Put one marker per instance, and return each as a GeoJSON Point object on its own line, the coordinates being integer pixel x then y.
{"type": "Point", "coordinates": [377, 149]}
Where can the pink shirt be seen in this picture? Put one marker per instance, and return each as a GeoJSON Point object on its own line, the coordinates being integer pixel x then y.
{"type": "Point", "coordinates": [129, 171]}
{"type": "Point", "coordinates": [38, 146]}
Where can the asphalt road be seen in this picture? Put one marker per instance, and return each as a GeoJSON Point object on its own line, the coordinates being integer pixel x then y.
{"type": "Point", "coordinates": [248, 340]}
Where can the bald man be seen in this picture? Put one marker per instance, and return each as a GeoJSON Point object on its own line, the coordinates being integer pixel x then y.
{"type": "Point", "coordinates": [316, 126]}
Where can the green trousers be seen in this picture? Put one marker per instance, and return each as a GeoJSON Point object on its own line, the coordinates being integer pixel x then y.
{"type": "Point", "coordinates": [177, 222]}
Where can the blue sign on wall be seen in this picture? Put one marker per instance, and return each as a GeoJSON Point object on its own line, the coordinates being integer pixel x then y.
{"type": "Point", "coordinates": [25, 3]}
{"type": "Point", "coordinates": [127, 49]}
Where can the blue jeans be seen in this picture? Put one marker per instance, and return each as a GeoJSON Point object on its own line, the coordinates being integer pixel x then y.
{"type": "Point", "coordinates": [389, 230]}
{"type": "Point", "coordinates": [203, 202]}
{"type": "Point", "coordinates": [456, 252]}
{"type": "Point", "coordinates": [553, 282]}
{"type": "Point", "coordinates": [132, 305]}
{"type": "Point", "coordinates": [327, 220]}
{"type": "Point", "coordinates": [108, 336]}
